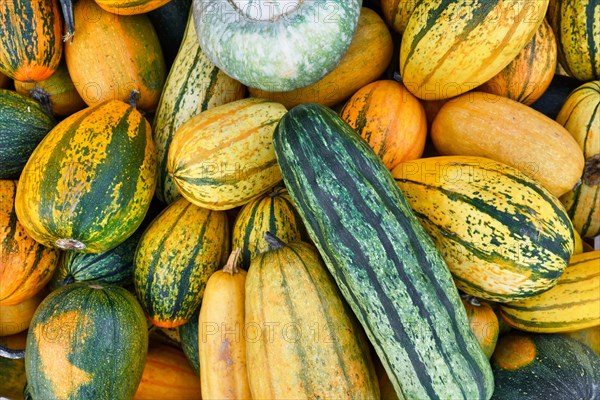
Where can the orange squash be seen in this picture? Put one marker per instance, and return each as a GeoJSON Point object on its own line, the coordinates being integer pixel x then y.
{"type": "Point", "coordinates": [130, 7]}
{"type": "Point", "coordinates": [397, 12]}
{"type": "Point", "coordinates": [483, 322]}
{"type": "Point", "coordinates": [390, 119]}
{"type": "Point", "coordinates": [16, 319]}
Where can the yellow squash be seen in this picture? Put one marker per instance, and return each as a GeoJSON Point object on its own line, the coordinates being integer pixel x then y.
{"type": "Point", "coordinates": [16, 319]}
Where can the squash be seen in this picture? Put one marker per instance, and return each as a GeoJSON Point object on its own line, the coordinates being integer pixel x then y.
{"type": "Point", "coordinates": [226, 170]}
{"type": "Point", "coordinates": [30, 34]}
{"type": "Point", "coordinates": [115, 57]}
{"type": "Point", "coordinates": [99, 175]}
{"type": "Point", "coordinates": [167, 376]}
{"type": "Point", "coordinates": [511, 133]}
{"type": "Point", "coordinates": [130, 7]}
{"type": "Point", "coordinates": [527, 76]}
{"type": "Point", "coordinates": [26, 265]}
{"type": "Point", "coordinates": [194, 85]}
{"type": "Point", "coordinates": [12, 371]}
{"type": "Point", "coordinates": [503, 236]}
{"type": "Point", "coordinates": [449, 48]}
{"type": "Point", "coordinates": [221, 339]}
{"type": "Point", "coordinates": [16, 318]}
{"type": "Point", "coordinates": [385, 264]}
{"type": "Point", "coordinates": [176, 255]}
{"type": "Point", "coordinates": [572, 304]}
{"type": "Point", "coordinates": [169, 21]}
{"type": "Point", "coordinates": [390, 119]}
{"type": "Point", "coordinates": [367, 58]}
{"type": "Point", "coordinates": [483, 323]}
{"type": "Point", "coordinates": [589, 336]}
{"type": "Point", "coordinates": [188, 334]}
{"type": "Point", "coordinates": [397, 12]}
{"type": "Point", "coordinates": [273, 46]}
{"type": "Point", "coordinates": [273, 212]}
{"type": "Point", "coordinates": [301, 341]}
{"type": "Point", "coordinates": [575, 24]}
{"type": "Point", "coordinates": [86, 341]}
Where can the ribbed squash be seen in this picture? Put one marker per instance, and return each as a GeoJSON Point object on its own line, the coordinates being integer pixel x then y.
{"type": "Point", "coordinates": [483, 322]}
{"type": "Point", "coordinates": [580, 115]}
{"type": "Point", "coordinates": [397, 12]}
{"type": "Point", "coordinates": [503, 236]}
{"type": "Point", "coordinates": [527, 76]}
{"type": "Point", "coordinates": [223, 157]}
{"type": "Point", "coordinates": [115, 57]}
{"type": "Point", "coordinates": [88, 184]}
{"type": "Point", "coordinates": [58, 91]}
{"type": "Point", "coordinates": [301, 340]}
{"type": "Point", "coordinates": [575, 24]}
{"type": "Point", "coordinates": [176, 255]}
{"type": "Point", "coordinates": [589, 336]}
{"type": "Point", "coordinates": [273, 212]}
{"type": "Point", "coordinates": [511, 133]}
{"type": "Point", "coordinates": [533, 367]}
{"type": "Point", "coordinates": [26, 266]}
{"type": "Point", "coordinates": [194, 85]}
{"type": "Point", "coordinates": [573, 304]}
{"type": "Point", "coordinates": [450, 47]}
{"type": "Point", "coordinates": [221, 339]}
{"type": "Point", "coordinates": [86, 341]}
{"type": "Point", "coordinates": [23, 124]}
{"type": "Point", "coordinates": [367, 58]}
{"type": "Point", "coordinates": [13, 371]}
{"type": "Point", "coordinates": [188, 334]}
{"type": "Point", "coordinates": [16, 318]}
{"type": "Point", "coordinates": [390, 119]}
{"type": "Point", "coordinates": [167, 376]}
{"type": "Point", "coordinates": [130, 7]}
{"type": "Point", "coordinates": [30, 39]}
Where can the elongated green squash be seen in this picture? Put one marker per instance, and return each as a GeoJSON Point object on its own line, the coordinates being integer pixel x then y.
{"type": "Point", "coordinates": [385, 264]}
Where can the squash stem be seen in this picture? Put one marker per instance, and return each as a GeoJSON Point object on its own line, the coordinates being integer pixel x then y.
{"type": "Point", "coordinates": [471, 299]}
{"type": "Point", "coordinates": [232, 263]}
{"type": "Point", "coordinates": [134, 97]}
{"type": "Point", "coordinates": [68, 280]}
{"type": "Point", "coordinates": [12, 354]}
{"type": "Point", "coordinates": [67, 9]}
{"type": "Point", "coordinates": [273, 241]}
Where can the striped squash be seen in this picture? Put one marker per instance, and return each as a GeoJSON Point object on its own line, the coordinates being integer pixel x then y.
{"type": "Point", "coordinates": [301, 341]}
{"type": "Point", "coordinates": [13, 371]}
{"type": "Point", "coordinates": [397, 12]}
{"type": "Point", "coordinates": [194, 85]}
{"type": "Point", "coordinates": [176, 255]}
{"type": "Point", "coordinates": [115, 57]}
{"type": "Point", "coordinates": [575, 24]}
{"type": "Point", "coordinates": [367, 58]}
{"type": "Point", "coordinates": [30, 39]}
{"type": "Point", "coordinates": [16, 318]}
{"type": "Point", "coordinates": [450, 47]}
{"type": "Point", "coordinates": [580, 115]}
{"type": "Point", "coordinates": [528, 76]}
{"type": "Point", "coordinates": [130, 7]}
{"type": "Point", "coordinates": [390, 119]}
{"type": "Point", "coordinates": [23, 124]}
{"type": "Point", "coordinates": [573, 304]}
{"type": "Point", "coordinates": [188, 334]}
{"type": "Point", "coordinates": [511, 133]}
{"type": "Point", "coordinates": [88, 184]}
{"type": "Point", "coordinates": [273, 212]}
{"type": "Point", "coordinates": [385, 264]}
{"type": "Point", "coordinates": [86, 342]}
{"type": "Point", "coordinates": [26, 266]}
{"type": "Point", "coordinates": [503, 236]}
{"type": "Point", "coordinates": [227, 170]}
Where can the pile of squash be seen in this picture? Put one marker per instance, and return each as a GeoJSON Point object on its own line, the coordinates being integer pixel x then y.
{"type": "Point", "coordinates": [299, 199]}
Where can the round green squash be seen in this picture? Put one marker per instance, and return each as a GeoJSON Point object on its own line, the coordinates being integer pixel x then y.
{"type": "Point", "coordinates": [86, 341]}
{"type": "Point", "coordinates": [276, 46]}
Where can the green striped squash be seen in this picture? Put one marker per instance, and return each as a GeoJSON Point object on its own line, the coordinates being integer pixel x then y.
{"type": "Point", "coordinates": [386, 266]}
{"type": "Point", "coordinates": [194, 85]}
{"type": "Point", "coordinates": [188, 333]}
{"type": "Point", "coordinates": [450, 47]}
{"type": "Point", "coordinates": [89, 183]}
{"type": "Point", "coordinates": [315, 350]}
{"type": "Point", "coordinates": [503, 236]}
{"type": "Point", "coordinates": [580, 115]}
{"type": "Point", "coordinates": [23, 124]}
{"type": "Point", "coordinates": [226, 170]}
{"type": "Point", "coordinates": [575, 24]}
{"type": "Point", "coordinates": [86, 341]}
{"type": "Point", "coordinates": [176, 255]}
{"type": "Point", "coordinates": [273, 212]}
{"type": "Point", "coordinates": [573, 304]}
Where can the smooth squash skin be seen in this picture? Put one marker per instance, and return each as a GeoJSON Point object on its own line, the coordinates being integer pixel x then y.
{"type": "Point", "coordinates": [511, 133]}
{"type": "Point", "coordinates": [13, 371]}
{"type": "Point", "coordinates": [483, 322]}
{"type": "Point", "coordinates": [30, 33]}
{"type": "Point", "coordinates": [130, 7]}
{"type": "Point", "coordinates": [367, 58]}
{"type": "Point", "coordinates": [16, 318]}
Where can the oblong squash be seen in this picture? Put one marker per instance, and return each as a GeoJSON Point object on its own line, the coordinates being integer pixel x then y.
{"type": "Point", "coordinates": [223, 157]}
{"type": "Point", "coordinates": [396, 13]}
{"type": "Point", "coordinates": [16, 318]}
{"type": "Point", "coordinates": [483, 322]}
{"type": "Point", "coordinates": [486, 125]}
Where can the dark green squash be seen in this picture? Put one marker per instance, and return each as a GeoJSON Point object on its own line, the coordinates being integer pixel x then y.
{"type": "Point", "coordinates": [189, 341]}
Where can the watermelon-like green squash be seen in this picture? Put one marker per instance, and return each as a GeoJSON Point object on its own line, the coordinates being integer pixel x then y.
{"type": "Point", "coordinates": [89, 183]}
{"type": "Point", "coordinates": [529, 366]}
{"type": "Point", "coordinates": [274, 212]}
{"type": "Point", "coordinates": [189, 341]}
{"type": "Point", "coordinates": [385, 264]}
{"type": "Point", "coordinates": [277, 46]}
{"type": "Point", "coordinates": [176, 255]}
{"type": "Point", "coordinates": [23, 124]}
{"type": "Point", "coordinates": [86, 341]}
